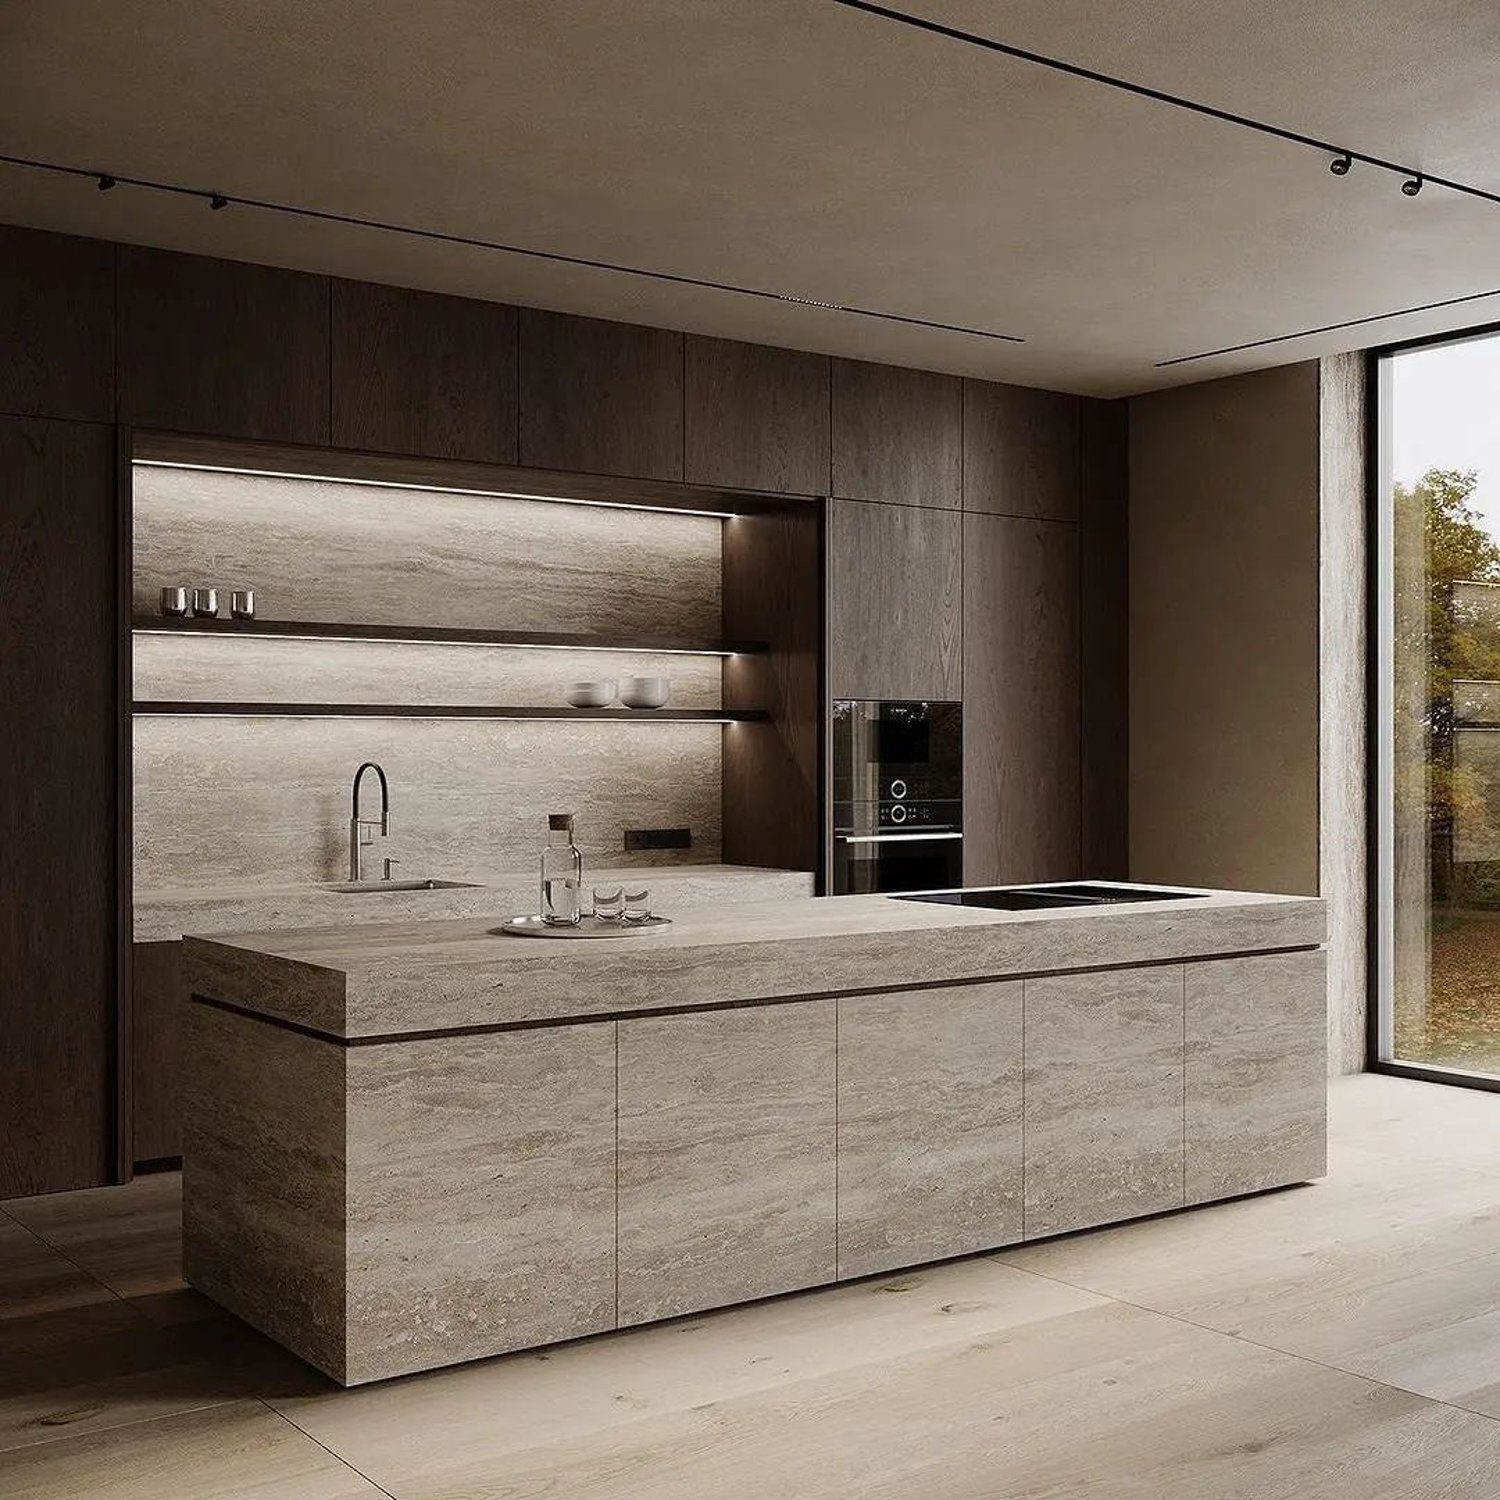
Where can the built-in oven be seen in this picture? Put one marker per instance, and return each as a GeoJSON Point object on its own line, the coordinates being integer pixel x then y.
{"type": "Point", "coordinates": [897, 795]}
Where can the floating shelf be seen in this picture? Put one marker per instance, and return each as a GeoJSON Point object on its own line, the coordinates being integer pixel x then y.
{"type": "Point", "coordinates": [214, 708]}
{"type": "Point", "coordinates": [442, 635]}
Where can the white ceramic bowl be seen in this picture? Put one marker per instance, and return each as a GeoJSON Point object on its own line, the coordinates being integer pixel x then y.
{"type": "Point", "coordinates": [591, 694]}
{"type": "Point", "coordinates": [645, 692]}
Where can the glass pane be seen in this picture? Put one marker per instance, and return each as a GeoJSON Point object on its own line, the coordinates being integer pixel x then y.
{"type": "Point", "coordinates": [1439, 706]}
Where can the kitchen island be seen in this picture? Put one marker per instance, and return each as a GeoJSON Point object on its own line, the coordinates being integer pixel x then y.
{"type": "Point", "coordinates": [415, 1143]}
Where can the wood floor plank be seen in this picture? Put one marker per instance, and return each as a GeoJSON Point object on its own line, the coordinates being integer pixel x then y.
{"type": "Point", "coordinates": [35, 1278]}
{"type": "Point", "coordinates": [238, 1452]}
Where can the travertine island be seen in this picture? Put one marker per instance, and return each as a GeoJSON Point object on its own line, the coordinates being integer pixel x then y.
{"type": "Point", "coordinates": [417, 1143]}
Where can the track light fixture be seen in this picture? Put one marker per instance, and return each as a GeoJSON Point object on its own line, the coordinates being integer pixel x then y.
{"type": "Point", "coordinates": [218, 201]}
{"type": "Point", "coordinates": [1340, 165]}
{"type": "Point", "coordinates": [1412, 186]}
{"type": "Point", "coordinates": [104, 182]}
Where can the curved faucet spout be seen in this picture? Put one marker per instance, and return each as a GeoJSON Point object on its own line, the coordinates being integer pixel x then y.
{"type": "Point", "coordinates": [385, 794]}
{"type": "Point", "coordinates": [359, 825]}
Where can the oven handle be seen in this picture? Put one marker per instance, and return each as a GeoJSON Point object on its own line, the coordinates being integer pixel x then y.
{"type": "Point", "coordinates": [892, 838]}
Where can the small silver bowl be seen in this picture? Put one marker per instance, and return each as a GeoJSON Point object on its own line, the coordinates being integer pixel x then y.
{"type": "Point", "coordinates": [591, 694]}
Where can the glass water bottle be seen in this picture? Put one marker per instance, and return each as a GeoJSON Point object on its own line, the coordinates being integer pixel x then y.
{"type": "Point", "coordinates": [562, 873]}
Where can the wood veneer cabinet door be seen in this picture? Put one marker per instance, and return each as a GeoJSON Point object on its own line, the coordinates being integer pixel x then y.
{"type": "Point", "coordinates": [1021, 451]}
{"type": "Point", "coordinates": [222, 347]}
{"type": "Point", "coordinates": [929, 1125]}
{"type": "Point", "coordinates": [600, 397]}
{"type": "Point", "coordinates": [726, 1157]}
{"type": "Point", "coordinates": [417, 372]}
{"type": "Point", "coordinates": [755, 417]}
{"type": "Point", "coordinates": [1022, 701]}
{"type": "Point", "coordinates": [157, 1004]}
{"type": "Point", "coordinates": [1104, 1072]}
{"type": "Point", "coordinates": [57, 326]}
{"type": "Point", "coordinates": [897, 434]}
{"type": "Point", "coordinates": [1257, 1073]}
{"type": "Point", "coordinates": [895, 606]}
{"type": "Point", "coordinates": [59, 627]}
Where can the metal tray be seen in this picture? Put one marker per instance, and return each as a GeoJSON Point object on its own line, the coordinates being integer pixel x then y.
{"type": "Point", "coordinates": [588, 927]}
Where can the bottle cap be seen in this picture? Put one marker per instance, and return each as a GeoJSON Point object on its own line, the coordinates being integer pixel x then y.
{"type": "Point", "coordinates": [560, 822]}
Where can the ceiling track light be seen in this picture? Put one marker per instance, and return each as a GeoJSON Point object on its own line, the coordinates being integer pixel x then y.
{"type": "Point", "coordinates": [1412, 186]}
{"type": "Point", "coordinates": [217, 201]}
{"type": "Point", "coordinates": [1340, 165]}
{"type": "Point", "coordinates": [104, 182]}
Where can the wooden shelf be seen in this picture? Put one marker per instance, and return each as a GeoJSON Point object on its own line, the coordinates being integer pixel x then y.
{"type": "Point", "coordinates": [440, 635]}
{"type": "Point", "coordinates": [198, 707]}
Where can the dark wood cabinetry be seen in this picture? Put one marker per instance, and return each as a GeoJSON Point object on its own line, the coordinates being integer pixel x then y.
{"type": "Point", "coordinates": [897, 434]}
{"type": "Point", "coordinates": [895, 601]}
{"type": "Point", "coordinates": [1104, 601]}
{"type": "Point", "coordinates": [1021, 700]}
{"type": "Point", "coordinates": [221, 347]}
{"type": "Point", "coordinates": [59, 855]}
{"type": "Point", "coordinates": [755, 418]}
{"type": "Point", "coordinates": [1021, 451]}
{"type": "Point", "coordinates": [416, 372]}
{"type": "Point", "coordinates": [599, 397]}
{"type": "Point", "coordinates": [57, 326]}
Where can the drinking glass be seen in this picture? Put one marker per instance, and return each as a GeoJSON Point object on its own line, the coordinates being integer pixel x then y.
{"type": "Point", "coordinates": [638, 906]}
{"type": "Point", "coordinates": [609, 903]}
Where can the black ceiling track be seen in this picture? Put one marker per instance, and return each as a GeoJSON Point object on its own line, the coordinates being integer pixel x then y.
{"type": "Point", "coordinates": [219, 200]}
{"type": "Point", "coordinates": [1340, 153]}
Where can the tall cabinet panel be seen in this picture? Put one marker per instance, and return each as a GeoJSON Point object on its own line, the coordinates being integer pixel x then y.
{"type": "Point", "coordinates": [896, 612]}
{"type": "Point", "coordinates": [1021, 700]}
{"type": "Point", "coordinates": [756, 418]}
{"type": "Point", "coordinates": [57, 326]}
{"type": "Point", "coordinates": [415, 372]}
{"type": "Point", "coordinates": [58, 802]}
{"type": "Point", "coordinates": [1021, 451]}
{"type": "Point", "coordinates": [897, 434]}
{"type": "Point", "coordinates": [600, 397]}
{"type": "Point", "coordinates": [223, 348]}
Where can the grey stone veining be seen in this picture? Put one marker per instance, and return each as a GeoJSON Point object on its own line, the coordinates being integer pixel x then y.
{"type": "Point", "coordinates": [419, 976]}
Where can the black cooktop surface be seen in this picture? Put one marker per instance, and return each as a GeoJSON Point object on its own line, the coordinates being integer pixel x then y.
{"type": "Point", "coordinates": [1042, 898]}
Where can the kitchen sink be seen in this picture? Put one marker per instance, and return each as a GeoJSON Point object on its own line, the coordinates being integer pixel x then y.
{"type": "Point", "coordinates": [369, 887]}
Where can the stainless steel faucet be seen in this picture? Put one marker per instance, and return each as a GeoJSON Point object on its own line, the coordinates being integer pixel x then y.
{"type": "Point", "coordinates": [361, 830]}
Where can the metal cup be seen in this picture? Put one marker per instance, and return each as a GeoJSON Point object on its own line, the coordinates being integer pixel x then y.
{"type": "Point", "coordinates": [174, 602]}
{"type": "Point", "coordinates": [206, 603]}
{"type": "Point", "coordinates": [242, 604]}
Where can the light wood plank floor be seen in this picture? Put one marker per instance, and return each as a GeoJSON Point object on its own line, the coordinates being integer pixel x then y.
{"type": "Point", "coordinates": [1339, 1340]}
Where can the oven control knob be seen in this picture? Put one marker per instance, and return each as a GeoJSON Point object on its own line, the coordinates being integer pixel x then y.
{"type": "Point", "coordinates": [898, 814]}
{"type": "Point", "coordinates": [898, 789]}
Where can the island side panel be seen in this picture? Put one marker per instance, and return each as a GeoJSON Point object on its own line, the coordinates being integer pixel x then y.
{"type": "Point", "coordinates": [1104, 1081]}
{"type": "Point", "coordinates": [263, 1179]}
{"type": "Point", "coordinates": [1257, 1073]}
{"type": "Point", "coordinates": [481, 1210]}
{"type": "Point", "coordinates": [727, 1172]}
{"type": "Point", "coordinates": [929, 1152]}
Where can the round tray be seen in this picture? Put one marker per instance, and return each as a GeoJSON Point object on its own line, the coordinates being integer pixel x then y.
{"type": "Point", "coordinates": [588, 927]}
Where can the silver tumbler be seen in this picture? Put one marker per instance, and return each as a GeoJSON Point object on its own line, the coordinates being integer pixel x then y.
{"type": "Point", "coordinates": [242, 604]}
{"type": "Point", "coordinates": [206, 602]}
{"type": "Point", "coordinates": [174, 602]}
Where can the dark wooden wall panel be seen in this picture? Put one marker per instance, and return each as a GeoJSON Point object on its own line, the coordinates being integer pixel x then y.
{"type": "Point", "coordinates": [773, 592]}
{"type": "Point", "coordinates": [222, 347]}
{"type": "Point", "coordinates": [59, 634]}
{"type": "Point", "coordinates": [416, 372]}
{"type": "Point", "coordinates": [895, 601]}
{"type": "Point", "coordinates": [1021, 450]}
{"type": "Point", "coordinates": [756, 418]}
{"type": "Point", "coordinates": [57, 326]}
{"type": "Point", "coordinates": [897, 434]}
{"type": "Point", "coordinates": [155, 1050]}
{"type": "Point", "coordinates": [1105, 629]}
{"type": "Point", "coordinates": [600, 397]}
{"type": "Point", "coordinates": [1021, 700]}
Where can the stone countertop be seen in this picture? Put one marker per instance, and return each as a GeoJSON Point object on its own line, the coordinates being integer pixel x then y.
{"type": "Point", "coordinates": [397, 978]}
{"type": "Point", "coordinates": [168, 913]}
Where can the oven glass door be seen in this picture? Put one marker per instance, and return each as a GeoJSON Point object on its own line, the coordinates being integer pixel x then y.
{"type": "Point", "coordinates": [883, 864]}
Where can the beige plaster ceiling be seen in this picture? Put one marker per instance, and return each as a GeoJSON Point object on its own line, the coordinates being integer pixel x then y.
{"type": "Point", "coordinates": [798, 146]}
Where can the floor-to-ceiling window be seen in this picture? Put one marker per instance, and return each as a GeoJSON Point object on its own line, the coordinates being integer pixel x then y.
{"type": "Point", "coordinates": [1436, 714]}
